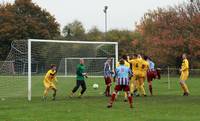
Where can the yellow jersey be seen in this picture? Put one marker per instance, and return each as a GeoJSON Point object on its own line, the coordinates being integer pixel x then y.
{"type": "Point", "coordinates": [135, 63]}
{"type": "Point", "coordinates": [143, 67]}
{"type": "Point", "coordinates": [185, 66]}
{"type": "Point", "coordinates": [50, 76]}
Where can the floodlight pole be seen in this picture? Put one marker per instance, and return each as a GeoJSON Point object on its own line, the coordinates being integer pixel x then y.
{"type": "Point", "coordinates": [105, 11]}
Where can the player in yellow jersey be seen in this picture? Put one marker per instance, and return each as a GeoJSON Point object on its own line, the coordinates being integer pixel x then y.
{"type": "Point", "coordinates": [49, 80]}
{"type": "Point", "coordinates": [133, 82]}
{"type": "Point", "coordinates": [184, 75]}
{"type": "Point", "coordinates": [143, 66]}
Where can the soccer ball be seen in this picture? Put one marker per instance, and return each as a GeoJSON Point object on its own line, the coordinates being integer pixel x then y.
{"type": "Point", "coordinates": [95, 86]}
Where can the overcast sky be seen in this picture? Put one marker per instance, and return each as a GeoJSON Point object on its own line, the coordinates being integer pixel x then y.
{"type": "Point", "coordinates": [122, 14]}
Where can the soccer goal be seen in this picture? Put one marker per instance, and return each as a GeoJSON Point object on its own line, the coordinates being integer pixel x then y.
{"type": "Point", "coordinates": [29, 60]}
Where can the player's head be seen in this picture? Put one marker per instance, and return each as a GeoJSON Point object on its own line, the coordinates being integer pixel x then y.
{"type": "Point", "coordinates": [184, 56]}
{"type": "Point", "coordinates": [145, 57]}
{"type": "Point", "coordinates": [149, 58]}
{"type": "Point", "coordinates": [53, 66]}
{"type": "Point", "coordinates": [124, 57]}
{"type": "Point", "coordinates": [139, 56]}
{"type": "Point", "coordinates": [81, 61]}
{"type": "Point", "coordinates": [134, 56]}
{"type": "Point", "coordinates": [121, 61]}
{"type": "Point", "coordinates": [109, 59]}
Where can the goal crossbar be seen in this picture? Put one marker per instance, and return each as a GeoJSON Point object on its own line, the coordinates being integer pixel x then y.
{"type": "Point", "coordinates": [78, 42]}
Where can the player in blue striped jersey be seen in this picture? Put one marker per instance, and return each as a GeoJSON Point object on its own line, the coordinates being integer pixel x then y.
{"type": "Point", "coordinates": [107, 76]}
{"type": "Point", "coordinates": [122, 75]}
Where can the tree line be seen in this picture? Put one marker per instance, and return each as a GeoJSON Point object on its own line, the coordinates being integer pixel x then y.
{"type": "Point", "coordinates": [163, 34]}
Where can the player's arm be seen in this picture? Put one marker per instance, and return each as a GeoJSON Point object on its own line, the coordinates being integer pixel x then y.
{"type": "Point", "coordinates": [184, 66]}
{"type": "Point", "coordinates": [130, 73]}
{"type": "Point", "coordinates": [104, 69]}
{"type": "Point", "coordinates": [129, 60]}
{"type": "Point", "coordinates": [48, 76]}
{"type": "Point", "coordinates": [53, 77]}
{"type": "Point", "coordinates": [115, 74]}
{"type": "Point", "coordinates": [83, 73]}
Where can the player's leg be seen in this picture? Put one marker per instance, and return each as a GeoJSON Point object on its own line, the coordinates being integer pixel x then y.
{"type": "Point", "coordinates": [131, 89]}
{"type": "Point", "coordinates": [46, 86]}
{"type": "Point", "coordinates": [117, 88]}
{"type": "Point", "coordinates": [150, 87]}
{"type": "Point", "coordinates": [130, 99]}
{"type": "Point", "coordinates": [45, 93]}
{"type": "Point", "coordinates": [132, 86]}
{"type": "Point", "coordinates": [183, 78]}
{"type": "Point", "coordinates": [108, 85]}
{"type": "Point", "coordinates": [54, 91]}
{"type": "Point", "coordinates": [141, 86]}
{"type": "Point", "coordinates": [78, 83]}
{"type": "Point", "coordinates": [149, 80]}
{"type": "Point", "coordinates": [184, 88]}
{"type": "Point", "coordinates": [136, 86]}
{"type": "Point", "coordinates": [125, 97]}
{"type": "Point", "coordinates": [83, 86]}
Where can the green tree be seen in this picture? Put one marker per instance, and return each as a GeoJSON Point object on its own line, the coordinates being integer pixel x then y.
{"type": "Point", "coordinates": [74, 31]}
{"type": "Point", "coordinates": [94, 34]}
{"type": "Point", "coordinates": [24, 20]}
{"type": "Point", "coordinates": [124, 37]}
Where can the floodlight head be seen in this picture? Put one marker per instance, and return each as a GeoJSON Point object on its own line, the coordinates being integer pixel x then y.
{"type": "Point", "coordinates": [105, 9]}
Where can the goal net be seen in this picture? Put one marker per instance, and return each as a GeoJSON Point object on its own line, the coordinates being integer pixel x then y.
{"type": "Point", "coordinates": [22, 73]}
{"type": "Point", "coordinates": [94, 66]}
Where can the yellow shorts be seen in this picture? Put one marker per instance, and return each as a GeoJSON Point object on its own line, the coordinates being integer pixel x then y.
{"type": "Point", "coordinates": [184, 76]}
{"type": "Point", "coordinates": [135, 75]}
{"type": "Point", "coordinates": [132, 80]}
{"type": "Point", "coordinates": [142, 75]}
{"type": "Point", "coordinates": [49, 85]}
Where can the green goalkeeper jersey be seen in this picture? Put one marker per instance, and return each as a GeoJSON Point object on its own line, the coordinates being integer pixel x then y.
{"type": "Point", "coordinates": [80, 69]}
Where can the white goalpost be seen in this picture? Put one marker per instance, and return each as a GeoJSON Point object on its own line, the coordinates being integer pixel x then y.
{"type": "Point", "coordinates": [65, 54]}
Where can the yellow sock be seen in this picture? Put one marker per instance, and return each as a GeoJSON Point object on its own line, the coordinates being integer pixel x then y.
{"type": "Point", "coordinates": [125, 95]}
{"type": "Point", "coordinates": [131, 88]}
{"type": "Point", "coordinates": [186, 88]}
{"type": "Point", "coordinates": [45, 93]}
{"type": "Point", "coordinates": [183, 88]}
{"type": "Point", "coordinates": [142, 90]}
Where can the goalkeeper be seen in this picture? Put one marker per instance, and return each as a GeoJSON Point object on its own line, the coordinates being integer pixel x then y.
{"type": "Point", "coordinates": [80, 78]}
{"type": "Point", "coordinates": [49, 80]}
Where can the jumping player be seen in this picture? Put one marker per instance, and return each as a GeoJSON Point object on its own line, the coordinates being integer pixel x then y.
{"type": "Point", "coordinates": [49, 80]}
{"type": "Point", "coordinates": [107, 76]}
{"type": "Point", "coordinates": [122, 74]}
{"type": "Point", "coordinates": [133, 82]}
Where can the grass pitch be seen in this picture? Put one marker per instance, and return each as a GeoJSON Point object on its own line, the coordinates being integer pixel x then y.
{"type": "Point", "coordinates": [165, 105]}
